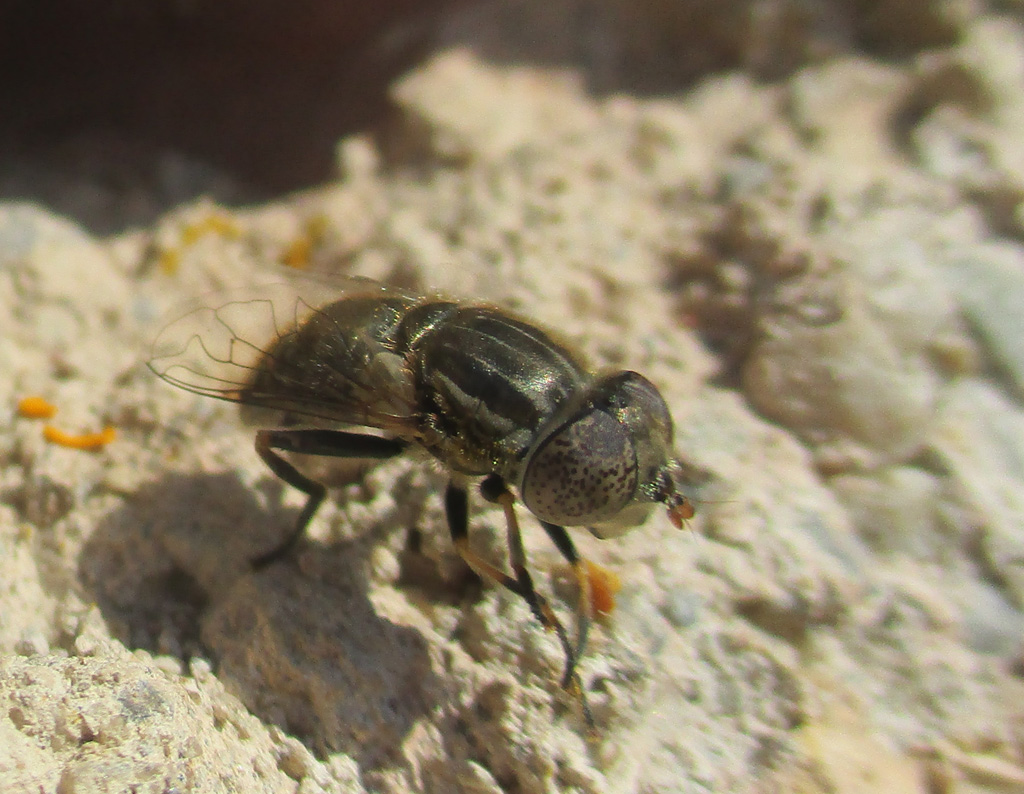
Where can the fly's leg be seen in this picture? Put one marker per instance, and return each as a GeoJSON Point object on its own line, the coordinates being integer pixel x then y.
{"type": "Point", "coordinates": [584, 601]}
{"type": "Point", "coordinates": [494, 490]}
{"type": "Point", "coordinates": [329, 443]}
{"type": "Point", "coordinates": [456, 504]}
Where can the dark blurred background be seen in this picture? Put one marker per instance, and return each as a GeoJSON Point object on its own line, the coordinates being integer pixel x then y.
{"type": "Point", "coordinates": [236, 98]}
{"type": "Point", "coordinates": [112, 112]}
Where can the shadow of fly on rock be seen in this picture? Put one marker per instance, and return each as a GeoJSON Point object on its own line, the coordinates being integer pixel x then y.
{"type": "Point", "coordinates": [300, 644]}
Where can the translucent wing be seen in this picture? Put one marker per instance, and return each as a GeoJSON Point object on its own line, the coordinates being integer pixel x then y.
{"type": "Point", "coordinates": [309, 347]}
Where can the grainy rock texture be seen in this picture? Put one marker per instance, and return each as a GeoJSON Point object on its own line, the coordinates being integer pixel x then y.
{"type": "Point", "coordinates": [820, 270]}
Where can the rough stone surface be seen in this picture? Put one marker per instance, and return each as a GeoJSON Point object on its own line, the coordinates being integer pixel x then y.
{"type": "Point", "coordinates": [809, 266]}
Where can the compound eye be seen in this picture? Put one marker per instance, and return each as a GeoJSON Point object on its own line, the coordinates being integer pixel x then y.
{"type": "Point", "coordinates": [584, 471]}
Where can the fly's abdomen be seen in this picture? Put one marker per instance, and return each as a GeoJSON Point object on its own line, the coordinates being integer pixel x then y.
{"type": "Point", "coordinates": [341, 364]}
{"type": "Point", "coordinates": [488, 382]}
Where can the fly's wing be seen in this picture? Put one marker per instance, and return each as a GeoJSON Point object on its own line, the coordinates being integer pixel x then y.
{"type": "Point", "coordinates": [247, 346]}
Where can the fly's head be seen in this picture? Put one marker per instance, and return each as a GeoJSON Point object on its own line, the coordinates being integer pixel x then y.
{"type": "Point", "coordinates": [606, 460]}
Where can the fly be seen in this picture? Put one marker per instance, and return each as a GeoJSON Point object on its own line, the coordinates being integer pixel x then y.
{"type": "Point", "coordinates": [491, 396]}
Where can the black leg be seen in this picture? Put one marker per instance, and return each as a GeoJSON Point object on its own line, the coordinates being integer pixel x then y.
{"type": "Point", "coordinates": [584, 602]}
{"type": "Point", "coordinates": [494, 489]}
{"type": "Point", "coordinates": [330, 443]}
{"type": "Point", "coordinates": [456, 505]}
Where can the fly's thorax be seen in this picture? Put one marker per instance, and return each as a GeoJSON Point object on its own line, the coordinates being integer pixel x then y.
{"type": "Point", "coordinates": [602, 461]}
{"type": "Point", "coordinates": [487, 382]}
{"type": "Point", "coordinates": [420, 320]}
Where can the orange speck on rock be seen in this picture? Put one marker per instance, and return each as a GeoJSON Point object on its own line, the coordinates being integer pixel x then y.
{"type": "Point", "coordinates": [216, 223]}
{"type": "Point", "coordinates": [87, 441]}
{"type": "Point", "coordinates": [297, 253]}
{"type": "Point", "coordinates": [604, 584]}
{"type": "Point", "coordinates": [36, 408]}
{"type": "Point", "coordinates": [170, 261]}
